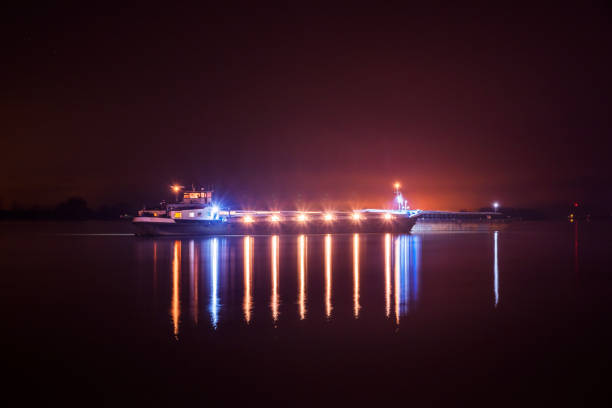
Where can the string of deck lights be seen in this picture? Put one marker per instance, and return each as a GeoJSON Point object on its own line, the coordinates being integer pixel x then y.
{"type": "Point", "coordinates": [328, 217]}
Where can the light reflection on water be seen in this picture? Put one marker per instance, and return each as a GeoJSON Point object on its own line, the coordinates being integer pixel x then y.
{"type": "Point", "coordinates": [214, 281]}
{"type": "Point", "coordinates": [275, 300]}
{"type": "Point", "coordinates": [176, 270]}
{"type": "Point", "coordinates": [398, 271]}
{"type": "Point", "coordinates": [495, 269]}
{"type": "Point", "coordinates": [194, 264]}
{"type": "Point", "coordinates": [328, 276]}
{"type": "Point", "coordinates": [388, 274]}
{"type": "Point", "coordinates": [356, 305]}
{"type": "Point", "coordinates": [248, 266]}
{"type": "Point", "coordinates": [302, 245]}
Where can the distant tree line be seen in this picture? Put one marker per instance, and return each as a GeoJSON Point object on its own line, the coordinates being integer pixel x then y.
{"type": "Point", "coordinates": [74, 208]}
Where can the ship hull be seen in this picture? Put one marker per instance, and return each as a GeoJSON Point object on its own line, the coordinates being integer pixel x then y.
{"type": "Point", "coordinates": [152, 226]}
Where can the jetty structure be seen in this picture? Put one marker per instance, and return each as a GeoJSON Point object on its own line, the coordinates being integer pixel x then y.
{"type": "Point", "coordinates": [197, 214]}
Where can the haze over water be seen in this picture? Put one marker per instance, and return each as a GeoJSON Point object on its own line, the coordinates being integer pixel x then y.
{"type": "Point", "coordinates": [508, 316]}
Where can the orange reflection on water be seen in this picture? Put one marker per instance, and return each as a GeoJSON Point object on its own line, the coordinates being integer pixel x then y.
{"type": "Point", "coordinates": [274, 301]}
{"type": "Point", "coordinates": [397, 280]}
{"type": "Point", "coordinates": [175, 310]}
{"type": "Point", "coordinates": [302, 275]}
{"type": "Point", "coordinates": [388, 274]}
{"type": "Point", "coordinates": [196, 276]}
{"type": "Point", "coordinates": [356, 305]}
{"type": "Point", "coordinates": [328, 277]}
{"type": "Point", "coordinates": [247, 302]}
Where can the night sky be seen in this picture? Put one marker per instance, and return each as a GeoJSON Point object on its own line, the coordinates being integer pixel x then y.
{"type": "Point", "coordinates": [304, 107]}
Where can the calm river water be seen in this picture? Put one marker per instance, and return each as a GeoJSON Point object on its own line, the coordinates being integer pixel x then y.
{"type": "Point", "coordinates": [94, 316]}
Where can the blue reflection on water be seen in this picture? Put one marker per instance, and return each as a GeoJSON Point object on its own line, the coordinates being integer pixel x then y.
{"type": "Point", "coordinates": [408, 254]}
{"type": "Point", "coordinates": [214, 281]}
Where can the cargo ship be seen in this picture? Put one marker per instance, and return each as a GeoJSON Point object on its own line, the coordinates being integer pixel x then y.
{"type": "Point", "coordinates": [197, 214]}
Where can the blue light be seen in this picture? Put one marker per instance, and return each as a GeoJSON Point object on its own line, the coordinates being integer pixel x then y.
{"type": "Point", "coordinates": [400, 199]}
{"type": "Point", "coordinates": [215, 209]}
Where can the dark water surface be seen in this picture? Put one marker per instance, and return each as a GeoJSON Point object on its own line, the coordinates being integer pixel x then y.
{"type": "Point", "coordinates": [498, 318]}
